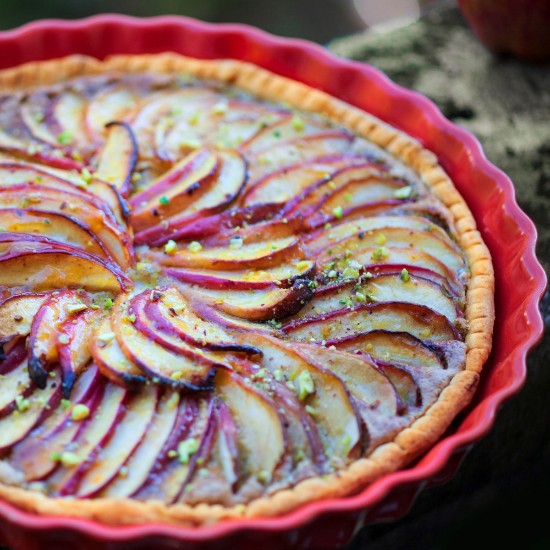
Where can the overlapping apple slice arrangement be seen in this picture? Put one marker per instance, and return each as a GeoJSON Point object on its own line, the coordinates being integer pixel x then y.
{"type": "Point", "coordinates": [296, 301]}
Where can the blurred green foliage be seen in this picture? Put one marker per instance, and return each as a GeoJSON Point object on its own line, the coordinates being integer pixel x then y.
{"type": "Point", "coordinates": [318, 20]}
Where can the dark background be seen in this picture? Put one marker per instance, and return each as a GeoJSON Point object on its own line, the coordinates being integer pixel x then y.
{"type": "Point", "coordinates": [499, 498]}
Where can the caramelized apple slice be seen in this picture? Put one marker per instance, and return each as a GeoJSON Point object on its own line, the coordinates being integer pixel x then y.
{"type": "Point", "coordinates": [16, 385]}
{"type": "Point", "coordinates": [96, 220]}
{"type": "Point", "coordinates": [324, 395]}
{"type": "Point", "coordinates": [381, 288]}
{"type": "Point", "coordinates": [389, 346]}
{"type": "Point", "coordinates": [57, 227]}
{"type": "Point", "coordinates": [388, 238]}
{"type": "Point", "coordinates": [261, 437]}
{"type": "Point", "coordinates": [110, 359]}
{"type": "Point", "coordinates": [168, 312]}
{"type": "Point", "coordinates": [17, 313]}
{"type": "Point", "coordinates": [49, 319]}
{"type": "Point", "coordinates": [98, 428]}
{"type": "Point", "coordinates": [364, 381]}
{"type": "Point", "coordinates": [282, 276]}
{"type": "Point", "coordinates": [127, 435]}
{"type": "Point", "coordinates": [136, 469]}
{"type": "Point", "coordinates": [286, 154]}
{"type": "Point", "coordinates": [190, 369]}
{"type": "Point", "coordinates": [259, 305]}
{"type": "Point", "coordinates": [419, 321]}
{"type": "Point", "coordinates": [404, 384]}
{"type": "Point", "coordinates": [259, 255]}
{"type": "Point", "coordinates": [73, 344]}
{"type": "Point", "coordinates": [118, 157]}
{"type": "Point", "coordinates": [31, 411]}
{"type": "Point", "coordinates": [177, 460]}
{"type": "Point", "coordinates": [175, 190]}
{"type": "Point", "coordinates": [325, 238]}
{"type": "Point", "coordinates": [44, 267]}
{"type": "Point", "coordinates": [35, 455]}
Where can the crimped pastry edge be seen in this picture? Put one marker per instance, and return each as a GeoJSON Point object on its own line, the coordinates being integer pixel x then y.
{"type": "Point", "coordinates": [410, 442]}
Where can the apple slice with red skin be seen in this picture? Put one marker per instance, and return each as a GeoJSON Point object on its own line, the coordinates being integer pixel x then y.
{"type": "Point", "coordinates": [363, 379]}
{"type": "Point", "coordinates": [258, 255]}
{"type": "Point", "coordinates": [218, 454]}
{"type": "Point", "coordinates": [261, 438]}
{"type": "Point", "coordinates": [35, 455]}
{"type": "Point", "coordinates": [38, 406]}
{"type": "Point", "coordinates": [400, 347]}
{"type": "Point", "coordinates": [127, 435]}
{"type": "Point", "coordinates": [95, 433]}
{"type": "Point", "coordinates": [38, 266]}
{"type": "Point", "coordinates": [331, 407]}
{"type": "Point", "coordinates": [283, 130]}
{"type": "Point", "coordinates": [13, 357]}
{"type": "Point", "coordinates": [403, 382]}
{"type": "Point", "coordinates": [57, 227]}
{"type": "Point", "coordinates": [419, 321]}
{"type": "Point", "coordinates": [176, 190]}
{"type": "Point", "coordinates": [351, 170]}
{"type": "Point", "coordinates": [381, 288]}
{"type": "Point", "coordinates": [118, 157]}
{"type": "Point", "coordinates": [140, 463]}
{"type": "Point", "coordinates": [325, 238]}
{"type": "Point", "coordinates": [290, 186]}
{"type": "Point", "coordinates": [395, 237]}
{"type": "Point", "coordinates": [282, 276]}
{"type": "Point", "coordinates": [167, 311]}
{"type": "Point", "coordinates": [199, 228]}
{"type": "Point", "coordinates": [297, 151]}
{"type": "Point", "coordinates": [16, 385]}
{"type": "Point", "coordinates": [111, 361]}
{"type": "Point", "coordinates": [17, 313]}
{"type": "Point", "coordinates": [43, 337]}
{"type": "Point", "coordinates": [192, 370]}
{"type": "Point", "coordinates": [305, 445]}
{"type": "Point", "coordinates": [96, 220]}
{"type": "Point", "coordinates": [73, 344]}
{"type": "Point", "coordinates": [168, 477]}
{"type": "Point", "coordinates": [259, 305]}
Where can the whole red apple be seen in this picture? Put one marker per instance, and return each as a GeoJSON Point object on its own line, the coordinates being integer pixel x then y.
{"type": "Point", "coordinates": [517, 27]}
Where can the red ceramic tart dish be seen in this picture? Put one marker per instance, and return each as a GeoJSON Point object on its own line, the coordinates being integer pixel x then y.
{"type": "Point", "coordinates": [233, 241]}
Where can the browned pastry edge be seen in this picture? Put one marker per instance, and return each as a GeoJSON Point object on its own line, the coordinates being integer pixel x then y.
{"type": "Point", "coordinates": [408, 443]}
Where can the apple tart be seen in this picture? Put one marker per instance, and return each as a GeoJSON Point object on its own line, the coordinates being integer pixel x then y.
{"type": "Point", "coordinates": [223, 293]}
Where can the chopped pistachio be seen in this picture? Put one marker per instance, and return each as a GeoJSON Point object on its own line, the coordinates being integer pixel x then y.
{"type": "Point", "coordinates": [405, 277]}
{"type": "Point", "coordinates": [194, 246]}
{"type": "Point", "coordinates": [65, 404]}
{"type": "Point", "coordinates": [348, 197]}
{"type": "Point", "coordinates": [360, 297]}
{"type": "Point", "coordinates": [63, 339]}
{"type": "Point", "coordinates": [187, 448]}
{"type": "Point", "coordinates": [220, 108]}
{"type": "Point", "coordinates": [80, 412]}
{"type": "Point", "coordinates": [21, 403]}
{"type": "Point", "coordinates": [338, 212]}
{"type": "Point", "coordinates": [172, 454]}
{"type": "Point", "coordinates": [403, 192]}
{"type": "Point", "coordinates": [132, 317]}
{"type": "Point", "coordinates": [86, 175]}
{"type": "Point", "coordinates": [298, 123]}
{"type": "Point", "coordinates": [164, 201]}
{"type": "Point", "coordinates": [65, 138]}
{"type": "Point", "coordinates": [108, 303]}
{"type": "Point", "coordinates": [106, 337]}
{"type": "Point", "coordinates": [350, 273]}
{"type": "Point", "coordinates": [425, 333]}
{"type": "Point", "coordinates": [263, 476]}
{"type": "Point", "coordinates": [304, 385]}
{"type": "Point", "coordinates": [380, 253]}
{"type": "Point", "coordinates": [170, 247]}
{"type": "Point", "coordinates": [302, 265]}
{"type": "Point", "coordinates": [327, 226]}
{"type": "Point", "coordinates": [75, 308]}
{"type": "Point", "coordinates": [123, 472]}
{"type": "Point", "coordinates": [69, 458]}
{"type": "Point", "coordinates": [176, 375]}
{"type": "Point", "coordinates": [310, 410]}
{"type": "Point", "coordinates": [380, 239]}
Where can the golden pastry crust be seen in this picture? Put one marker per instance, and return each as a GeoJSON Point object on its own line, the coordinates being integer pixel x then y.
{"type": "Point", "coordinates": [479, 314]}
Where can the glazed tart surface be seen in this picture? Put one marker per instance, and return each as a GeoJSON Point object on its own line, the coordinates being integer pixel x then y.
{"type": "Point", "coordinates": [223, 293]}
